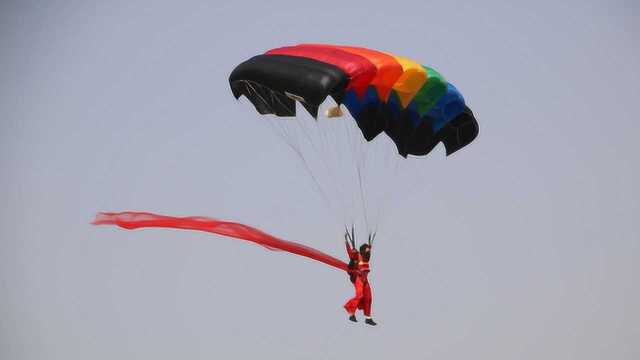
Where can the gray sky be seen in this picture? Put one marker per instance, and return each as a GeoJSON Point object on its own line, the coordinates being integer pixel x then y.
{"type": "Point", "coordinates": [522, 246]}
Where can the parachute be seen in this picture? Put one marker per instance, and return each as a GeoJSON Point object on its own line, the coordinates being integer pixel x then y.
{"type": "Point", "coordinates": [413, 104]}
{"type": "Point", "coordinates": [350, 161]}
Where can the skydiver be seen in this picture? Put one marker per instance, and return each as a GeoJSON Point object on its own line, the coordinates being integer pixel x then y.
{"type": "Point", "coordinates": [358, 272]}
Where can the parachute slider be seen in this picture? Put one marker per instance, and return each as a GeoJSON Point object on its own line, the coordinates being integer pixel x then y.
{"type": "Point", "coordinates": [333, 112]}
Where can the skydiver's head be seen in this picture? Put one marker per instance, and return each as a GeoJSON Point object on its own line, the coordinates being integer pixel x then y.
{"type": "Point", "coordinates": [365, 252]}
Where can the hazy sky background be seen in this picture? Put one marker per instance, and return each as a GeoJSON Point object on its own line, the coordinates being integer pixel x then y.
{"type": "Point", "coordinates": [525, 245]}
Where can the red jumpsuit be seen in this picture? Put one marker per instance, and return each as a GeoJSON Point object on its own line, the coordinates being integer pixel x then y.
{"type": "Point", "coordinates": [362, 298]}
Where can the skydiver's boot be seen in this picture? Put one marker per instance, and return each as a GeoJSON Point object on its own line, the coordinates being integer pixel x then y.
{"type": "Point", "coordinates": [370, 322]}
{"type": "Point", "coordinates": [353, 318]}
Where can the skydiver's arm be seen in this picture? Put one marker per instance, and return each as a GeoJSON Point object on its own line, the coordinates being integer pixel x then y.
{"type": "Point", "coordinates": [350, 251]}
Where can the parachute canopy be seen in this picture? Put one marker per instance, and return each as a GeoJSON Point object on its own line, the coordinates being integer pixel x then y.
{"type": "Point", "coordinates": [411, 103]}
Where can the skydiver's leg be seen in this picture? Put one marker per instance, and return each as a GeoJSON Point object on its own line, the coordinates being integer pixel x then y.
{"type": "Point", "coordinates": [352, 305]}
{"type": "Point", "coordinates": [367, 298]}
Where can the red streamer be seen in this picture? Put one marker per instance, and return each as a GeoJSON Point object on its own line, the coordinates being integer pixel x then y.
{"type": "Point", "coordinates": [134, 220]}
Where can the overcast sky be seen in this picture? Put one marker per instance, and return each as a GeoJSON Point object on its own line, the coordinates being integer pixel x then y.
{"type": "Point", "coordinates": [524, 245]}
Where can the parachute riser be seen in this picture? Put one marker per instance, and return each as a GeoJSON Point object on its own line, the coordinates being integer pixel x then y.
{"type": "Point", "coordinates": [350, 237]}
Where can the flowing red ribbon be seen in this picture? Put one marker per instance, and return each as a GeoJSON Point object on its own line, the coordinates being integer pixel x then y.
{"type": "Point", "coordinates": [134, 220]}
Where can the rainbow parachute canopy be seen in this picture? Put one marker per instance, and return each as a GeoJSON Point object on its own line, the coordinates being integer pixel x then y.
{"type": "Point", "coordinates": [411, 103]}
